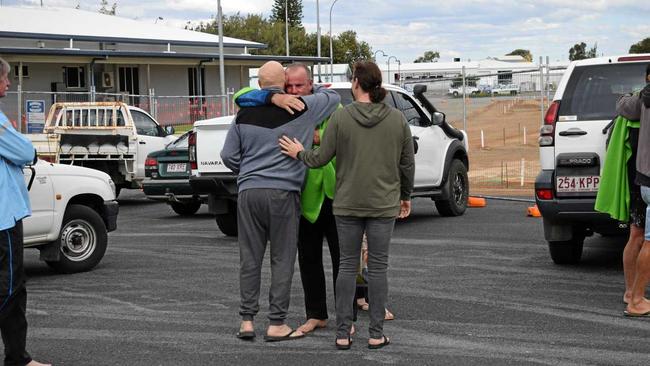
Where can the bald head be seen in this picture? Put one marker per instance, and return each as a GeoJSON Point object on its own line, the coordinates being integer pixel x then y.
{"type": "Point", "coordinates": [271, 74]}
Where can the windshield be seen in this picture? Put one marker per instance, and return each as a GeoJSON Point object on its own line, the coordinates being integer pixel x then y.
{"type": "Point", "coordinates": [592, 91]}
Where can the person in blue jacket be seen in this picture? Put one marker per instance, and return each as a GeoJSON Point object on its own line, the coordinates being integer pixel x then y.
{"type": "Point", "coordinates": [15, 152]}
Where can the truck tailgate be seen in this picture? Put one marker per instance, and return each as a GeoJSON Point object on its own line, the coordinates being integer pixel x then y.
{"type": "Point", "coordinates": [210, 138]}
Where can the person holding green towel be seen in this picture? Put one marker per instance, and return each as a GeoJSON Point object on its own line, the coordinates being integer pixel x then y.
{"type": "Point", "coordinates": [636, 257]}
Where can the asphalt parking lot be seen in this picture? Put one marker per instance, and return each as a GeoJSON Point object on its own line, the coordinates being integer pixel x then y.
{"type": "Point", "coordinates": [474, 290]}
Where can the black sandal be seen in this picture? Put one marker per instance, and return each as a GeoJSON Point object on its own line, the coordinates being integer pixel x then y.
{"type": "Point", "coordinates": [344, 347]}
{"type": "Point", "coordinates": [386, 342]}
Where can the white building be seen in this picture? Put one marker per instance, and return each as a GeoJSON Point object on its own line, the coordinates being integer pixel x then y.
{"type": "Point", "coordinates": [489, 72]}
{"type": "Point", "coordinates": [60, 50]}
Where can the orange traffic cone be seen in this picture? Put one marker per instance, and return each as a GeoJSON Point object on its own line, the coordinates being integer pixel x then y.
{"type": "Point", "coordinates": [533, 211]}
{"type": "Point", "coordinates": [476, 202]}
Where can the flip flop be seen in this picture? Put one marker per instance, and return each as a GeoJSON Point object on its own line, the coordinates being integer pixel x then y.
{"type": "Point", "coordinates": [344, 347]}
{"type": "Point", "coordinates": [637, 315]}
{"type": "Point", "coordinates": [288, 337]}
{"type": "Point", "coordinates": [383, 344]}
{"type": "Point", "coordinates": [246, 336]}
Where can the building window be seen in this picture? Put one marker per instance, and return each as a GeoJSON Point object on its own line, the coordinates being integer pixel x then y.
{"type": "Point", "coordinates": [25, 71]}
{"type": "Point", "coordinates": [74, 76]}
{"type": "Point", "coordinates": [505, 77]}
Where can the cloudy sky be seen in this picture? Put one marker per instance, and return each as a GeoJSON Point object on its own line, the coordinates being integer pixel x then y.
{"type": "Point", "coordinates": [469, 29]}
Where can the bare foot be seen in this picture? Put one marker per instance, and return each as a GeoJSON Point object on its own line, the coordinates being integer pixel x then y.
{"type": "Point", "coordinates": [246, 326]}
{"type": "Point", "coordinates": [389, 315]}
{"type": "Point", "coordinates": [312, 324]}
{"type": "Point", "coordinates": [283, 330]}
{"type": "Point", "coordinates": [640, 307]}
{"type": "Point", "coordinates": [36, 363]}
{"type": "Point", "coordinates": [362, 304]}
{"type": "Point", "coordinates": [627, 296]}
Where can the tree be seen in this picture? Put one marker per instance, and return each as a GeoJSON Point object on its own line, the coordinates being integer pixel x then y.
{"type": "Point", "coordinates": [347, 48]}
{"type": "Point", "coordinates": [641, 46]}
{"type": "Point", "coordinates": [294, 13]}
{"type": "Point", "coordinates": [523, 53]}
{"type": "Point", "coordinates": [105, 10]}
{"type": "Point", "coordinates": [429, 56]}
{"type": "Point", "coordinates": [579, 51]}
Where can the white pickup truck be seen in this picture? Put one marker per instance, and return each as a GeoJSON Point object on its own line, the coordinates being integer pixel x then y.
{"type": "Point", "coordinates": [73, 208]}
{"type": "Point", "coordinates": [441, 160]}
{"type": "Point", "coordinates": [109, 136]}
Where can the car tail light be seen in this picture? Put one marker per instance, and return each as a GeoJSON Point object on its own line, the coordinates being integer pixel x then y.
{"type": "Point", "coordinates": [151, 162]}
{"type": "Point", "coordinates": [546, 133]}
{"type": "Point", "coordinates": [544, 193]}
{"type": "Point", "coordinates": [48, 158]}
{"type": "Point", "coordinates": [191, 150]}
{"type": "Point", "coordinates": [633, 58]}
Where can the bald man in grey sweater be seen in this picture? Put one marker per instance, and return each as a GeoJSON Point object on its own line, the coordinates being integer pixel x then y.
{"type": "Point", "coordinates": [269, 184]}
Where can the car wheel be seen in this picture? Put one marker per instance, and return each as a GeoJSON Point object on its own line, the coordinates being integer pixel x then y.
{"type": "Point", "coordinates": [227, 222]}
{"type": "Point", "coordinates": [82, 241]}
{"type": "Point", "coordinates": [186, 208]}
{"type": "Point", "coordinates": [566, 252]}
{"type": "Point", "coordinates": [455, 94]}
{"type": "Point", "coordinates": [458, 187]}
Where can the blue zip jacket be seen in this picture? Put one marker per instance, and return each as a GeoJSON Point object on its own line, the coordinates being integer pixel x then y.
{"type": "Point", "coordinates": [15, 152]}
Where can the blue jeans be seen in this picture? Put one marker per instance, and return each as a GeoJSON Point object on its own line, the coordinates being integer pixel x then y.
{"type": "Point", "coordinates": [645, 193]}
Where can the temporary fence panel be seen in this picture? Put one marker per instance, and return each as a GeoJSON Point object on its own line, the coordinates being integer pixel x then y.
{"type": "Point", "coordinates": [27, 107]}
{"type": "Point", "coordinates": [501, 113]}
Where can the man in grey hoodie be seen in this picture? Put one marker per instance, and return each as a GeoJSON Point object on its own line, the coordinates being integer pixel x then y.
{"type": "Point", "coordinates": [268, 206]}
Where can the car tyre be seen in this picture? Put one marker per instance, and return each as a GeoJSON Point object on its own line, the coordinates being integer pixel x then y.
{"type": "Point", "coordinates": [227, 222]}
{"type": "Point", "coordinates": [458, 187]}
{"type": "Point", "coordinates": [186, 208]}
{"type": "Point", "coordinates": [82, 241]}
{"type": "Point", "coordinates": [566, 252]}
{"type": "Point", "coordinates": [455, 94]}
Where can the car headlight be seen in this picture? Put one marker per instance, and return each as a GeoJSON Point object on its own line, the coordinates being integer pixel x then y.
{"type": "Point", "coordinates": [112, 184]}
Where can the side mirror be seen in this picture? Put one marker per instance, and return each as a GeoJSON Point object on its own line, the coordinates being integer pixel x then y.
{"type": "Point", "coordinates": [169, 130]}
{"type": "Point", "coordinates": [438, 118]}
{"type": "Point", "coordinates": [419, 89]}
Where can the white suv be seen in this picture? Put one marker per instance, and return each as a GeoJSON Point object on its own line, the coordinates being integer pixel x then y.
{"type": "Point", "coordinates": [441, 160]}
{"type": "Point", "coordinates": [572, 150]}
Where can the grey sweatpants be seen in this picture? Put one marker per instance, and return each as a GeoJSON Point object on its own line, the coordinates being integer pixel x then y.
{"type": "Point", "coordinates": [267, 215]}
{"type": "Point", "coordinates": [350, 231]}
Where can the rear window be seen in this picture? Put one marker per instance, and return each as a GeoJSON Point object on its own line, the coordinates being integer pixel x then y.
{"type": "Point", "coordinates": [592, 91]}
{"type": "Point", "coordinates": [346, 97]}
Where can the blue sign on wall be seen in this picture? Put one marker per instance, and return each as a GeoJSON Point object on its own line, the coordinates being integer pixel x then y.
{"type": "Point", "coordinates": [35, 115]}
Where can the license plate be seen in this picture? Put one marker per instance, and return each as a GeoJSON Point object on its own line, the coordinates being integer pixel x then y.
{"type": "Point", "coordinates": [588, 183]}
{"type": "Point", "coordinates": [176, 168]}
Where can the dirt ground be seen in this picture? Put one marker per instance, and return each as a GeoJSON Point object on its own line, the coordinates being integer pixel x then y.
{"type": "Point", "coordinates": [496, 166]}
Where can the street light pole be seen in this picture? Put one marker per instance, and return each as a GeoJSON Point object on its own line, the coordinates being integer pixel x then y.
{"type": "Point", "coordinates": [374, 56]}
{"type": "Point", "coordinates": [331, 48]}
{"type": "Point", "coordinates": [318, 38]}
{"type": "Point", "coordinates": [388, 76]}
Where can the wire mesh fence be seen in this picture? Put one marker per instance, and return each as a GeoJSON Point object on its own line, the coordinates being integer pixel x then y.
{"type": "Point", "coordinates": [502, 114]}
{"type": "Point", "coordinates": [168, 110]}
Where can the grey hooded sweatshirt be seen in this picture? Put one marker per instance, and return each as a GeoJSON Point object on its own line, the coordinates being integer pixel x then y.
{"type": "Point", "coordinates": [374, 159]}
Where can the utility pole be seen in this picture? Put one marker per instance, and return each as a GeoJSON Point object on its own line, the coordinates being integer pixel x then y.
{"type": "Point", "coordinates": [318, 38]}
{"type": "Point", "coordinates": [222, 77]}
{"type": "Point", "coordinates": [286, 23]}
